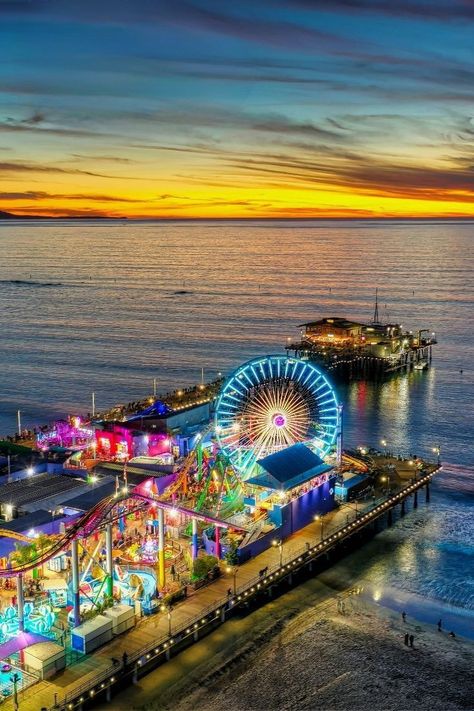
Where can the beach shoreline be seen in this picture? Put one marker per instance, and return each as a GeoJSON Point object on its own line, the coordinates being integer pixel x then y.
{"type": "Point", "coordinates": [329, 659]}
{"type": "Point", "coordinates": [301, 652]}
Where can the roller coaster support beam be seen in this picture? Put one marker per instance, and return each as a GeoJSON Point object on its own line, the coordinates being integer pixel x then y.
{"type": "Point", "coordinates": [109, 559]}
{"type": "Point", "coordinates": [161, 548]}
{"type": "Point", "coordinates": [199, 459]}
{"type": "Point", "coordinates": [218, 543]}
{"type": "Point", "coordinates": [340, 415]}
{"type": "Point", "coordinates": [20, 601]}
{"type": "Point", "coordinates": [76, 601]}
{"type": "Point", "coordinates": [194, 539]}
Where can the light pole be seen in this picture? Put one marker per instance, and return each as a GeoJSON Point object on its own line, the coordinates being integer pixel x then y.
{"type": "Point", "coordinates": [18, 417]}
{"type": "Point", "coordinates": [383, 442]}
{"type": "Point", "coordinates": [167, 609]}
{"type": "Point", "coordinates": [93, 404]}
{"type": "Point", "coordinates": [278, 542]}
{"type": "Point", "coordinates": [437, 451]}
{"type": "Point", "coordinates": [233, 570]}
{"type": "Point", "coordinates": [319, 517]}
{"type": "Point", "coordinates": [15, 678]}
{"type": "Point", "coordinates": [386, 480]}
{"type": "Point", "coordinates": [154, 388]}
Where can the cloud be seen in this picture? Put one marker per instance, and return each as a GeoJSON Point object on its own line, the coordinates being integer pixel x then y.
{"type": "Point", "coordinates": [41, 195]}
{"type": "Point", "coordinates": [207, 16]}
{"type": "Point", "coordinates": [102, 158]}
{"type": "Point", "coordinates": [444, 10]}
{"type": "Point", "coordinates": [365, 175]}
{"type": "Point", "coordinates": [22, 167]}
{"type": "Point", "coordinates": [36, 124]}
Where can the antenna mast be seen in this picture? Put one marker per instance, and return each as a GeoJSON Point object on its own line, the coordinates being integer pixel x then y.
{"type": "Point", "coordinates": [375, 320]}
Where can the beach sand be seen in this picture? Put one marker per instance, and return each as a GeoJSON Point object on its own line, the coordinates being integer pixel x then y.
{"type": "Point", "coordinates": [323, 659]}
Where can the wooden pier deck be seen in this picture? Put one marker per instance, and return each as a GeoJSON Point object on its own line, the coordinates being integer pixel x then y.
{"type": "Point", "coordinates": [97, 677]}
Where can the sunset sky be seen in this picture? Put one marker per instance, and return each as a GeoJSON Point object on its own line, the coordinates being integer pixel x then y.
{"type": "Point", "coordinates": [242, 108]}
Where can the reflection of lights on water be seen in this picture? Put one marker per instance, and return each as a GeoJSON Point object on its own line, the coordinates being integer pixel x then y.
{"type": "Point", "coordinates": [377, 595]}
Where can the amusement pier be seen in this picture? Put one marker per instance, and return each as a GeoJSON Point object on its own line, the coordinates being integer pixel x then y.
{"type": "Point", "coordinates": [127, 536]}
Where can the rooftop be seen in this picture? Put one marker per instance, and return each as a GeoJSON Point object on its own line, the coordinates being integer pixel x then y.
{"type": "Point", "coordinates": [88, 499]}
{"type": "Point", "coordinates": [289, 468]}
{"type": "Point", "coordinates": [335, 321]}
{"type": "Point", "coordinates": [28, 521]}
{"type": "Point", "coordinates": [37, 488]}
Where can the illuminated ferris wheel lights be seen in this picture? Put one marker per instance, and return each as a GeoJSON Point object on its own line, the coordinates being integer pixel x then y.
{"type": "Point", "coordinates": [272, 403]}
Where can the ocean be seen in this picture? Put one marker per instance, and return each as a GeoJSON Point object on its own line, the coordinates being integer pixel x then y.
{"type": "Point", "coordinates": [107, 306]}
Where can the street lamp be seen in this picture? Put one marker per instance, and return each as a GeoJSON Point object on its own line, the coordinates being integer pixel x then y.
{"type": "Point", "coordinates": [167, 609]}
{"type": "Point", "coordinates": [233, 570]}
{"type": "Point", "coordinates": [387, 480]}
{"type": "Point", "coordinates": [15, 678]}
{"type": "Point", "coordinates": [437, 451]}
{"type": "Point", "coordinates": [383, 442]}
{"type": "Point", "coordinates": [319, 517]}
{"type": "Point", "coordinates": [278, 542]}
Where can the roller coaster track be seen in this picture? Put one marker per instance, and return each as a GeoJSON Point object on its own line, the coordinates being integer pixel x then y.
{"type": "Point", "coordinates": [5, 533]}
{"type": "Point", "coordinates": [63, 541]}
{"type": "Point", "coordinates": [91, 522]}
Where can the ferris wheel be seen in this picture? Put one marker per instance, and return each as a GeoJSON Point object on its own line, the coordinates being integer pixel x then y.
{"type": "Point", "coordinates": [271, 403]}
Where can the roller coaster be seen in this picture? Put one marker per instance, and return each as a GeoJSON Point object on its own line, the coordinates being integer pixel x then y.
{"type": "Point", "coordinates": [93, 521]}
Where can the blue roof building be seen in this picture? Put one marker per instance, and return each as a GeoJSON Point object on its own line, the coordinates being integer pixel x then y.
{"type": "Point", "coordinates": [289, 468]}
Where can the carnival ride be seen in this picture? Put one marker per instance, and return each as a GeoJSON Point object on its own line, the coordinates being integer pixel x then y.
{"type": "Point", "coordinates": [271, 403]}
{"type": "Point", "coordinates": [65, 434]}
{"type": "Point", "coordinates": [95, 520]}
{"type": "Point", "coordinates": [39, 620]}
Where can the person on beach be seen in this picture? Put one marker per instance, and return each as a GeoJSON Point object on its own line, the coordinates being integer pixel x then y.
{"type": "Point", "coordinates": [406, 639]}
{"type": "Point", "coordinates": [404, 616]}
{"type": "Point", "coordinates": [451, 634]}
{"type": "Point", "coordinates": [439, 625]}
{"type": "Point", "coordinates": [411, 639]}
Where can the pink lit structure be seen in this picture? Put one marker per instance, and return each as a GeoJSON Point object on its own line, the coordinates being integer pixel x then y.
{"type": "Point", "coordinates": [70, 434]}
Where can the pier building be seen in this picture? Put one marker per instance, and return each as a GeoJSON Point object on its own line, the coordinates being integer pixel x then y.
{"type": "Point", "coordinates": [350, 349]}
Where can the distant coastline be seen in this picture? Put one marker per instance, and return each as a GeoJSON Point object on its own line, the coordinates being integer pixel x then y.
{"type": "Point", "coordinates": [11, 216]}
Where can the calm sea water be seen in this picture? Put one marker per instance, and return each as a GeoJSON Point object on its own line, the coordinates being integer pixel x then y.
{"type": "Point", "coordinates": [91, 306]}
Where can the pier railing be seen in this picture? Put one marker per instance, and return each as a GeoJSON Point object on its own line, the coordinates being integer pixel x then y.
{"type": "Point", "coordinates": [215, 613]}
